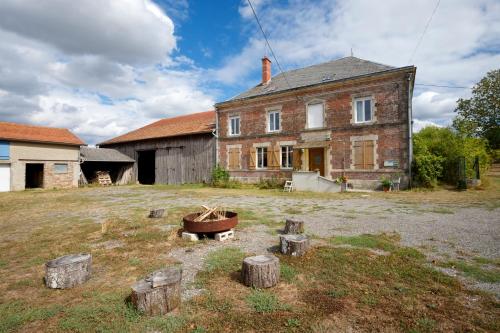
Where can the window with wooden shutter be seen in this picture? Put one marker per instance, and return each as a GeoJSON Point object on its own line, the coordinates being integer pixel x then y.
{"type": "Point", "coordinates": [251, 158]}
{"type": "Point", "coordinates": [363, 154]}
{"type": "Point", "coordinates": [273, 156]}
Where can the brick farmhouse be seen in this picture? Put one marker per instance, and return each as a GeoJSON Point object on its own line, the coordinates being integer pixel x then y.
{"type": "Point", "coordinates": [347, 117]}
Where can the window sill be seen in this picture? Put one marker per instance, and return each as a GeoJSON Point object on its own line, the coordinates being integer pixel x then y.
{"type": "Point", "coordinates": [273, 132]}
{"type": "Point", "coordinates": [233, 135]}
{"type": "Point", "coordinates": [363, 123]}
{"type": "Point", "coordinates": [315, 129]}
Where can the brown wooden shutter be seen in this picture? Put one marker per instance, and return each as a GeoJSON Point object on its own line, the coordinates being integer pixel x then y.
{"type": "Point", "coordinates": [358, 154]}
{"type": "Point", "coordinates": [230, 158]}
{"type": "Point", "coordinates": [234, 158]}
{"type": "Point", "coordinates": [273, 157]}
{"type": "Point", "coordinates": [297, 159]}
{"type": "Point", "coordinates": [276, 156]}
{"type": "Point", "coordinates": [251, 158]}
{"type": "Point", "coordinates": [369, 161]}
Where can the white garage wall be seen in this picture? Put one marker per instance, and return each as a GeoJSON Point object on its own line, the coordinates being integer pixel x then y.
{"type": "Point", "coordinates": [4, 177]}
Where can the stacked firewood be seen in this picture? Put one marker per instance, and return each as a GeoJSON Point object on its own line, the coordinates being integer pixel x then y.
{"type": "Point", "coordinates": [211, 214]}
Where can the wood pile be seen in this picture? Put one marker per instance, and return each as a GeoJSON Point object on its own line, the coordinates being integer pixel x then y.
{"type": "Point", "coordinates": [211, 214]}
{"type": "Point", "coordinates": [102, 178]}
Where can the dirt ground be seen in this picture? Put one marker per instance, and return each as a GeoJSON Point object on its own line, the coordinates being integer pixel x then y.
{"type": "Point", "coordinates": [448, 227]}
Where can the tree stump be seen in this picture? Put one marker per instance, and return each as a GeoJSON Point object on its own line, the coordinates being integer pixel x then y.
{"type": "Point", "coordinates": [156, 213]}
{"type": "Point", "coordinates": [159, 292]}
{"type": "Point", "coordinates": [294, 226]}
{"type": "Point", "coordinates": [294, 245]}
{"type": "Point", "coordinates": [68, 271]}
{"type": "Point", "coordinates": [261, 271]}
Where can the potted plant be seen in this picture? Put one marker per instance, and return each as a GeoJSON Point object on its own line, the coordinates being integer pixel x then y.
{"type": "Point", "coordinates": [386, 184]}
{"type": "Point", "coordinates": [343, 183]}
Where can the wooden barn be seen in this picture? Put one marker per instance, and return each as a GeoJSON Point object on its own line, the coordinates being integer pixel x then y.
{"type": "Point", "coordinates": [175, 150]}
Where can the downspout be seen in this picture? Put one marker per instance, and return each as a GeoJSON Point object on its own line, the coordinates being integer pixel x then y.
{"type": "Point", "coordinates": [410, 129]}
{"type": "Point", "coordinates": [215, 134]}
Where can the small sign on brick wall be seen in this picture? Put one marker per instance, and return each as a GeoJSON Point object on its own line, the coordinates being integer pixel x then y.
{"type": "Point", "coordinates": [391, 163]}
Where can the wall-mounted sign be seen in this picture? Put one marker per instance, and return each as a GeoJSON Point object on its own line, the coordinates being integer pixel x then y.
{"type": "Point", "coordinates": [391, 163]}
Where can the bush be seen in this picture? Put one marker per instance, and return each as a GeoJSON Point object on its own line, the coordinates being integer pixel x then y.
{"type": "Point", "coordinates": [270, 183]}
{"type": "Point", "coordinates": [220, 178]}
{"type": "Point", "coordinates": [428, 168]}
{"type": "Point", "coordinates": [436, 153]}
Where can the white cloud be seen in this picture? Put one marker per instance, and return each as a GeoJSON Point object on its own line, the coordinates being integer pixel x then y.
{"type": "Point", "coordinates": [100, 71]}
{"type": "Point", "coordinates": [418, 125]}
{"type": "Point", "coordinates": [459, 47]}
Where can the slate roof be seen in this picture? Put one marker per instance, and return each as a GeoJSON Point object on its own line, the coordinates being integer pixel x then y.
{"type": "Point", "coordinates": [195, 123]}
{"type": "Point", "coordinates": [30, 133]}
{"type": "Point", "coordinates": [88, 154]}
{"type": "Point", "coordinates": [335, 70]}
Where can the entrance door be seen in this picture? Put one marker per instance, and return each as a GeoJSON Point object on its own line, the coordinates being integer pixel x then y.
{"type": "Point", "coordinates": [34, 175]}
{"type": "Point", "coordinates": [4, 177]}
{"type": "Point", "coordinates": [146, 166]}
{"type": "Point", "coordinates": [317, 160]}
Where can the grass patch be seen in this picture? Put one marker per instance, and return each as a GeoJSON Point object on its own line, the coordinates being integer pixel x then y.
{"type": "Point", "coordinates": [337, 293]}
{"type": "Point", "coordinates": [165, 324]}
{"type": "Point", "coordinates": [474, 271]}
{"type": "Point", "coordinates": [287, 272]}
{"type": "Point", "coordinates": [292, 211]}
{"type": "Point", "coordinates": [487, 261]}
{"type": "Point", "coordinates": [15, 314]}
{"type": "Point", "coordinates": [225, 260]}
{"type": "Point", "coordinates": [103, 313]}
{"type": "Point", "coordinates": [264, 302]}
{"type": "Point", "coordinates": [382, 242]}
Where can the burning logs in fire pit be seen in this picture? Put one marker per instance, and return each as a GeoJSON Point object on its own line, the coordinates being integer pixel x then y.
{"type": "Point", "coordinates": [158, 293]}
{"type": "Point", "coordinates": [261, 271]}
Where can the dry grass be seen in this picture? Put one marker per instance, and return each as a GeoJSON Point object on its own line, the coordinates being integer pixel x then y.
{"type": "Point", "coordinates": [331, 289]}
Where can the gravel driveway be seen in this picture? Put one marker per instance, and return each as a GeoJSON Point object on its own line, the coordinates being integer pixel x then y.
{"type": "Point", "coordinates": [442, 232]}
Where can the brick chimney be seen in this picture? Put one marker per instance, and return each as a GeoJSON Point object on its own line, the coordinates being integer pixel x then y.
{"type": "Point", "coordinates": [266, 70]}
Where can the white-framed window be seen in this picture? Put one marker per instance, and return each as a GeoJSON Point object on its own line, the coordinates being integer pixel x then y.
{"type": "Point", "coordinates": [273, 119]}
{"type": "Point", "coordinates": [315, 115]}
{"type": "Point", "coordinates": [286, 157]}
{"type": "Point", "coordinates": [234, 125]}
{"type": "Point", "coordinates": [363, 109]}
{"type": "Point", "coordinates": [261, 157]}
{"type": "Point", "coordinates": [61, 168]}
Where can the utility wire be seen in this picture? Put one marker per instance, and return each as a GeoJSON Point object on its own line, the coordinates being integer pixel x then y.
{"type": "Point", "coordinates": [440, 86]}
{"type": "Point", "coordinates": [268, 44]}
{"type": "Point", "coordinates": [425, 30]}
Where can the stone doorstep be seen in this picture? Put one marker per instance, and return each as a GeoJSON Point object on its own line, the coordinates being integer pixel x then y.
{"type": "Point", "coordinates": [222, 236]}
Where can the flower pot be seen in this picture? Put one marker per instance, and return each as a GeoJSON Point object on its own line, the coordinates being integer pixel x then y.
{"type": "Point", "coordinates": [386, 188]}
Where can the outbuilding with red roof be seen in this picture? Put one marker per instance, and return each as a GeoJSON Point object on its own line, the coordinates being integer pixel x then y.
{"type": "Point", "coordinates": [174, 150]}
{"type": "Point", "coordinates": [38, 157]}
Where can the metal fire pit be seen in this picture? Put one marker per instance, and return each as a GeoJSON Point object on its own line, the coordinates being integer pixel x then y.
{"type": "Point", "coordinates": [207, 227]}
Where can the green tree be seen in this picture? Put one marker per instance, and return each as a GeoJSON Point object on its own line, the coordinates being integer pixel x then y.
{"type": "Point", "coordinates": [479, 116]}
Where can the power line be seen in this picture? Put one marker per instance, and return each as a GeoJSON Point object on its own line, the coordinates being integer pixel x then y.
{"type": "Point", "coordinates": [425, 30]}
{"type": "Point", "coordinates": [441, 86]}
{"type": "Point", "coordinates": [268, 44]}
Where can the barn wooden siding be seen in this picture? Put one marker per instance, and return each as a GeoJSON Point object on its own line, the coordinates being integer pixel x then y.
{"type": "Point", "coordinates": [178, 160]}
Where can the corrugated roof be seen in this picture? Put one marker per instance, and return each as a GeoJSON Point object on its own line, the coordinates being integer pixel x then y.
{"type": "Point", "coordinates": [202, 122]}
{"type": "Point", "coordinates": [88, 154]}
{"type": "Point", "coordinates": [30, 133]}
{"type": "Point", "coordinates": [340, 69]}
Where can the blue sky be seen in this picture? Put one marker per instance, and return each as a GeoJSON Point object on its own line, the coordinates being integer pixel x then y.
{"type": "Point", "coordinates": [113, 66]}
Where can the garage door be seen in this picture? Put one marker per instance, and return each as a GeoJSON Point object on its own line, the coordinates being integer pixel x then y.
{"type": "Point", "coordinates": [4, 177]}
